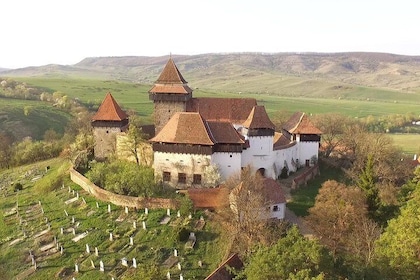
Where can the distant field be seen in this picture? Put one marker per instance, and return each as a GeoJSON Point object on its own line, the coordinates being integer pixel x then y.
{"type": "Point", "coordinates": [135, 96]}
{"type": "Point", "coordinates": [409, 143]}
{"type": "Point", "coordinates": [39, 117]}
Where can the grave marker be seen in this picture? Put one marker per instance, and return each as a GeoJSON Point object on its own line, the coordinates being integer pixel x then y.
{"type": "Point", "coordinates": [61, 250]}
{"type": "Point", "coordinates": [67, 214]}
{"type": "Point", "coordinates": [134, 224]}
{"type": "Point", "coordinates": [92, 264]}
{"type": "Point", "coordinates": [109, 208]}
{"type": "Point", "coordinates": [126, 210]}
{"type": "Point", "coordinates": [87, 249]}
{"type": "Point", "coordinates": [175, 253]}
{"type": "Point", "coordinates": [168, 212]}
{"type": "Point", "coordinates": [76, 267]}
{"type": "Point", "coordinates": [110, 237]}
{"type": "Point", "coordinates": [179, 266]}
{"type": "Point", "coordinates": [181, 277]}
{"type": "Point", "coordinates": [124, 262]}
{"type": "Point", "coordinates": [146, 211]}
{"type": "Point", "coordinates": [84, 201]}
{"type": "Point", "coordinates": [131, 241]}
{"type": "Point", "coordinates": [134, 263]}
{"type": "Point", "coordinates": [96, 252]}
{"type": "Point", "coordinates": [62, 230]}
{"type": "Point", "coordinates": [97, 204]}
{"type": "Point", "coordinates": [101, 266]}
{"type": "Point", "coordinates": [144, 225]}
{"type": "Point", "coordinates": [168, 275]}
{"type": "Point", "coordinates": [178, 214]}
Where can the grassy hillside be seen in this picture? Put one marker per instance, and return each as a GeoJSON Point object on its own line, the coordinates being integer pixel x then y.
{"type": "Point", "coordinates": [22, 118]}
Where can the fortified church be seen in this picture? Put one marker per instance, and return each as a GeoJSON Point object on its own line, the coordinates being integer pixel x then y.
{"type": "Point", "coordinates": [195, 138]}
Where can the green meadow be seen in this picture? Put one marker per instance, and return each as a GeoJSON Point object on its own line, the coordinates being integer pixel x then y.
{"type": "Point", "coordinates": [356, 102]}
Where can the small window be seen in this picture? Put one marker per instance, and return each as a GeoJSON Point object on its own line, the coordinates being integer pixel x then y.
{"type": "Point", "coordinates": [182, 178]}
{"type": "Point", "coordinates": [166, 176]}
{"type": "Point", "coordinates": [275, 208]}
{"type": "Point", "coordinates": [197, 179]}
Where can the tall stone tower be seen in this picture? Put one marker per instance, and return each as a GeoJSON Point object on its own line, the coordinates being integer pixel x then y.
{"type": "Point", "coordinates": [170, 94]}
{"type": "Point", "coordinates": [108, 121]}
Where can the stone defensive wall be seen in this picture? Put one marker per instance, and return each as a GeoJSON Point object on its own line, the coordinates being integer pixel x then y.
{"type": "Point", "coordinates": [121, 200]}
{"type": "Point", "coordinates": [303, 178]}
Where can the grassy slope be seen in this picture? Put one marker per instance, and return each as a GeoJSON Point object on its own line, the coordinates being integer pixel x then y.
{"type": "Point", "coordinates": [42, 116]}
{"type": "Point", "coordinates": [151, 247]}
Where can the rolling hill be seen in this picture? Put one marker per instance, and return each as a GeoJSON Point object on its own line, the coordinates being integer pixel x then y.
{"type": "Point", "coordinates": [287, 74]}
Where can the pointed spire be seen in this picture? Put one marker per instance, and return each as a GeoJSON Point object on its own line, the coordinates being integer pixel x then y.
{"type": "Point", "coordinates": [171, 74]}
{"type": "Point", "coordinates": [258, 119]}
{"type": "Point", "coordinates": [109, 110]}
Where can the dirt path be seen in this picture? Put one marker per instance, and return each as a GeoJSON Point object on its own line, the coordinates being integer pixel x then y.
{"type": "Point", "coordinates": [290, 216]}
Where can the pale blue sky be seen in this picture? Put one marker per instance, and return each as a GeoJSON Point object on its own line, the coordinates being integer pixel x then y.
{"type": "Point", "coordinates": [42, 32]}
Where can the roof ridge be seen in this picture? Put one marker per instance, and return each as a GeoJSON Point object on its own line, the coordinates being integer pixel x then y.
{"type": "Point", "coordinates": [109, 110]}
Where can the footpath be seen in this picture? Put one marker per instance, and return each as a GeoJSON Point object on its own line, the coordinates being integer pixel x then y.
{"type": "Point", "coordinates": [290, 216]}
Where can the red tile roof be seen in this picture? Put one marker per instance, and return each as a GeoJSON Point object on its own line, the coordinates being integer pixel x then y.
{"type": "Point", "coordinates": [185, 128]}
{"type": "Point", "coordinates": [222, 273]}
{"type": "Point", "coordinates": [171, 81]}
{"type": "Point", "coordinates": [209, 198]}
{"type": "Point", "coordinates": [272, 191]}
{"type": "Point", "coordinates": [281, 142]}
{"type": "Point", "coordinates": [224, 133]}
{"type": "Point", "coordinates": [109, 110]}
{"type": "Point", "coordinates": [299, 123]}
{"type": "Point", "coordinates": [234, 110]}
{"type": "Point", "coordinates": [258, 118]}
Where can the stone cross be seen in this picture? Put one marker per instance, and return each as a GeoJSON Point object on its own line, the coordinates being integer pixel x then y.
{"type": "Point", "coordinates": [144, 225]}
{"type": "Point", "coordinates": [126, 210]}
{"type": "Point", "coordinates": [76, 267]}
{"type": "Point", "coordinates": [134, 263]}
{"type": "Point", "coordinates": [110, 237]}
{"type": "Point", "coordinates": [101, 266]}
{"type": "Point", "coordinates": [61, 230]}
{"type": "Point", "coordinates": [87, 249]}
{"type": "Point", "coordinates": [175, 253]}
{"type": "Point", "coordinates": [96, 252]}
{"type": "Point", "coordinates": [146, 211]}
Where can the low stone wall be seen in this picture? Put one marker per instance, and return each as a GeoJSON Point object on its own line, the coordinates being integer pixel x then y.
{"type": "Point", "coordinates": [305, 176]}
{"type": "Point", "coordinates": [121, 200]}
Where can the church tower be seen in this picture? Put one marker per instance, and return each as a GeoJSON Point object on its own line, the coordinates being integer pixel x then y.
{"type": "Point", "coordinates": [170, 94]}
{"type": "Point", "coordinates": [108, 121]}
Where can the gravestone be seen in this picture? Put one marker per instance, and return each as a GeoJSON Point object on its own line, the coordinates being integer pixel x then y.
{"type": "Point", "coordinates": [144, 225]}
{"type": "Point", "coordinates": [126, 210]}
{"type": "Point", "coordinates": [179, 266]}
{"type": "Point", "coordinates": [61, 250]}
{"type": "Point", "coordinates": [146, 211]}
{"type": "Point", "coordinates": [181, 277]}
{"type": "Point", "coordinates": [111, 237]}
{"type": "Point", "coordinates": [178, 214]}
{"type": "Point", "coordinates": [109, 208]}
{"type": "Point", "coordinates": [101, 266]}
{"type": "Point", "coordinates": [72, 220]}
{"type": "Point", "coordinates": [92, 264]}
{"type": "Point", "coordinates": [74, 231]}
{"type": "Point", "coordinates": [77, 195]}
{"type": "Point", "coordinates": [62, 230]}
{"type": "Point", "coordinates": [134, 263]}
{"type": "Point", "coordinates": [124, 262]}
{"type": "Point", "coordinates": [97, 204]}
{"type": "Point", "coordinates": [96, 252]}
{"type": "Point", "coordinates": [67, 214]}
{"type": "Point", "coordinates": [168, 212]}
{"type": "Point", "coordinates": [134, 224]}
{"type": "Point", "coordinates": [168, 275]}
{"type": "Point", "coordinates": [84, 201]}
{"type": "Point", "coordinates": [131, 241]}
{"type": "Point", "coordinates": [87, 249]}
{"type": "Point", "coordinates": [175, 253]}
{"type": "Point", "coordinates": [76, 268]}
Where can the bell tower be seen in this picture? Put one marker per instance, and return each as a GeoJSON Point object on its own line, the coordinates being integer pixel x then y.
{"type": "Point", "coordinates": [170, 95]}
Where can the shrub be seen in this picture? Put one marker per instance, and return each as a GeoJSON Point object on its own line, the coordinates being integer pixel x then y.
{"type": "Point", "coordinates": [18, 187]}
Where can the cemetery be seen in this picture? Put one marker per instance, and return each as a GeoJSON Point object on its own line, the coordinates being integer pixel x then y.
{"type": "Point", "coordinates": [67, 233]}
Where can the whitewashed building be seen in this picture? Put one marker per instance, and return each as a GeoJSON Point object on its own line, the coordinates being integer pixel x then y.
{"type": "Point", "coordinates": [195, 136]}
